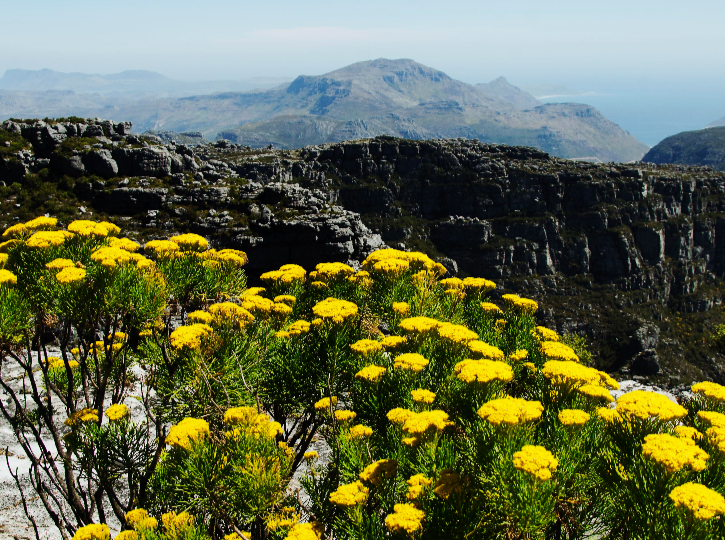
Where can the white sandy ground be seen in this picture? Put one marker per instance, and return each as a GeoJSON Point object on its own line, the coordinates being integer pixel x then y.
{"type": "Point", "coordinates": [14, 524]}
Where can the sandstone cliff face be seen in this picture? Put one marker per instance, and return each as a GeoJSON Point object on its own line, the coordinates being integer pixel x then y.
{"type": "Point", "coordinates": [631, 256]}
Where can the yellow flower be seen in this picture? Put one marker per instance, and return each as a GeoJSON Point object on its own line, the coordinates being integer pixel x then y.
{"type": "Point", "coordinates": [199, 317]}
{"type": "Point", "coordinates": [44, 239]}
{"type": "Point", "coordinates": [190, 336]}
{"type": "Point", "coordinates": [287, 274]}
{"type": "Point", "coordinates": [419, 325]}
{"type": "Point", "coordinates": [645, 405]}
{"type": "Point", "coordinates": [449, 482]}
{"type": "Point", "coordinates": [59, 264]}
{"type": "Point", "coordinates": [570, 374]}
{"type": "Point", "coordinates": [110, 257]}
{"type": "Point", "coordinates": [41, 223]}
{"type": "Point", "coordinates": [391, 267]}
{"type": "Point", "coordinates": [401, 308]}
{"type": "Point", "coordinates": [230, 257]}
{"type": "Point", "coordinates": [333, 271]}
{"type": "Point", "coordinates": [410, 362]}
{"type": "Point", "coordinates": [7, 278]}
{"type": "Point", "coordinates": [483, 371]}
{"type": "Point", "coordinates": [334, 310]}
{"type": "Point", "coordinates": [423, 396]}
{"type": "Point", "coordinates": [558, 351]}
{"type": "Point", "coordinates": [544, 334]}
{"type": "Point", "coordinates": [712, 418]}
{"type": "Point", "coordinates": [490, 309]}
{"type": "Point", "coordinates": [481, 350]}
{"type": "Point", "coordinates": [231, 314]}
{"type": "Point", "coordinates": [189, 429]}
{"type": "Point", "coordinates": [716, 436]}
{"type": "Point", "coordinates": [417, 483]}
{"type": "Point", "coordinates": [573, 417]}
{"type": "Point", "coordinates": [452, 283]}
{"type": "Point", "coordinates": [298, 328]}
{"type": "Point", "coordinates": [406, 518]}
{"type": "Point", "coordinates": [391, 343]}
{"type": "Point", "coordinates": [510, 411]}
{"type": "Point", "coordinates": [117, 412]}
{"type": "Point", "coordinates": [673, 453]}
{"type": "Point", "coordinates": [248, 419]}
{"type": "Point", "coordinates": [710, 390]}
{"type": "Point", "coordinates": [376, 472]}
{"type": "Point", "coordinates": [136, 517]}
{"type": "Point", "coordinates": [702, 502]}
{"type": "Point", "coordinates": [311, 454]}
{"type": "Point", "coordinates": [125, 244]}
{"type": "Point", "coordinates": [257, 304]}
{"type": "Point", "coordinates": [84, 227]}
{"type": "Point", "coordinates": [285, 299]}
{"type": "Point", "coordinates": [367, 346]}
{"type": "Point", "coordinates": [253, 291]}
{"type": "Point", "coordinates": [371, 373]}
{"type": "Point", "coordinates": [81, 416]}
{"type": "Point", "coordinates": [190, 242]}
{"type": "Point", "coordinates": [176, 524]}
{"type": "Point", "coordinates": [94, 531]}
{"type": "Point", "coordinates": [478, 285]}
{"type": "Point", "coordinates": [596, 392]}
{"type": "Point", "coordinates": [536, 461]}
{"type": "Point", "coordinates": [686, 432]}
{"type": "Point", "coordinates": [127, 535]}
{"type": "Point", "coordinates": [524, 306]}
{"type": "Point", "coordinates": [608, 381]}
{"type": "Point", "coordinates": [161, 248]}
{"type": "Point", "coordinates": [608, 415]}
{"type": "Point", "coordinates": [519, 356]}
{"type": "Point", "coordinates": [281, 310]}
{"type": "Point", "coordinates": [14, 231]}
{"type": "Point", "coordinates": [345, 416]}
{"type": "Point", "coordinates": [360, 432]}
{"type": "Point", "coordinates": [324, 403]}
{"type": "Point", "coordinates": [456, 333]}
{"type": "Point", "coordinates": [306, 531]}
{"type": "Point", "coordinates": [58, 363]}
{"type": "Point", "coordinates": [399, 416]}
{"type": "Point", "coordinates": [425, 422]}
{"type": "Point", "coordinates": [349, 494]}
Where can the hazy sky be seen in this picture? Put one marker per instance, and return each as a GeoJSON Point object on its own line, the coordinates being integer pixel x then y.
{"type": "Point", "coordinates": [579, 42]}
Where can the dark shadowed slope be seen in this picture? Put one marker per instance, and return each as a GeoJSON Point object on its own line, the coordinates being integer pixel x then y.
{"type": "Point", "coordinates": [701, 147]}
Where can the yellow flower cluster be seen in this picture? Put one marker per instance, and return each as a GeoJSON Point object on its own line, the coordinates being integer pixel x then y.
{"type": "Point", "coordinates": [82, 416]}
{"type": "Point", "coordinates": [298, 328]}
{"type": "Point", "coordinates": [161, 248]}
{"type": "Point", "coordinates": [456, 334]}
{"type": "Point", "coordinates": [392, 343]}
{"type": "Point", "coordinates": [558, 351]}
{"type": "Point", "coordinates": [483, 371]}
{"type": "Point", "coordinates": [46, 239]}
{"type": "Point", "coordinates": [306, 531]}
{"type": "Point", "coordinates": [311, 454]}
{"type": "Point", "coordinates": [231, 314]}
{"type": "Point", "coordinates": [94, 531]}
{"type": "Point", "coordinates": [8, 278]}
{"type": "Point", "coordinates": [111, 257]}
{"type": "Point", "coordinates": [417, 483]}
{"type": "Point", "coordinates": [118, 411]}
{"type": "Point", "coordinates": [413, 259]}
{"type": "Point", "coordinates": [335, 310]}
{"type": "Point", "coordinates": [367, 346]}
{"type": "Point", "coordinates": [87, 228]}
{"type": "Point", "coordinates": [329, 272]}
{"type": "Point", "coordinates": [687, 432]}
{"type": "Point", "coordinates": [349, 494]}
{"type": "Point", "coordinates": [573, 417]}
{"type": "Point", "coordinates": [257, 304]}
{"type": "Point", "coordinates": [248, 419]}
{"type": "Point", "coordinates": [360, 432]}
{"type": "Point", "coordinates": [231, 257]}
{"type": "Point", "coordinates": [59, 264]}
{"type": "Point", "coordinates": [401, 308]}
{"type": "Point", "coordinates": [524, 306]}
{"type": "Point", "coordinates": [287, 299]}
{"type": "Point", "coordinates": [596, 392]}
{"type": "Point", "coordinates": [70, 275]}
{"type": "Point", "coordinates": [125, 244]}
{"type": "Point", "coordinates": [712, 418]}
{"type": "Point", "coordinates": [570, 374]}
{"type": "Point", "coordinates": [519, 356]}
{"type": "Point", "coordinates": [399, 416]}
{"type": "Point", "coordinates": [710, 390]}
{"type": "Point", "coordinates": [481, 350]}
{"type": "Point", "coordinates": [190, 242]}
{"type": "Point", "coordinates": [127, 535]}
{"type": "Point", "coordinates": [544, 334]}
{"type": "Point", "coordinates": [344, 415]}
{"type": "Point", "coordinates": [645, 405]}
{"type": "Point", "coordinates": [421, 395]}
{"type": "Point", "coordinates": [201, 317]}
{"type": "Point", "coordinates": [324, 403]}
{"type": "Point", "coordinates": [189, 429]}
{"type": "Point", "coordinates": [189, 337]}
{"type": "Point", "coordinates": [176, 524]}
{"type": "Point", "coordinates": [287, 274]}
{"type": "Point", "coordinates": [702, 502]}
{"type": "Point", "coordinates": [406, 519]}
{"type": "Point", "coordinates": [478, 285]}
{"type": "Point", "coordinates": [139, 519]}
{"type": "Point", "coordinates": [673, 453]}
{"type": "Point", "coordinates": [391, 267]}
{"type": "Point", "coordinates": [376, 472]}
{"type": "Point", "coordinates": [371, 373]}
{"type": "Point", "coordinates": [510, 411]}
{"type": "Point", "coordinates": [58, 363]}
{"type": "Point", "coordinates": [410, 362]}
{"type": "Point", "coordinates": [419, 325]}
{"type": "Point", "coordinates": [448, 483]}
{"type": "Point", "coordinates": [490, 309]}
{"type": "Point", "coordinates": [422, 423]}
{"type": "Point", "coordinates": [536, 461]}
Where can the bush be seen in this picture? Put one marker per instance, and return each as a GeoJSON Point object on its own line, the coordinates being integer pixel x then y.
{"type": "Point", "coordinates": [401, 404]}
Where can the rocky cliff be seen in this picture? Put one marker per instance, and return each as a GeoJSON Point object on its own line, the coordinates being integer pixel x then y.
{"type": "Point", "coordinates": [631, 256]}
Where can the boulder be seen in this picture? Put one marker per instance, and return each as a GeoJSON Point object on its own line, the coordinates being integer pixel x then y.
{"type": "Point", "coordinates": [99, 161]}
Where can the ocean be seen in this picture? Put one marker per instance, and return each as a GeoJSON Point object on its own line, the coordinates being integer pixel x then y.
{"type": "Point", "coordinates": [656, 113]}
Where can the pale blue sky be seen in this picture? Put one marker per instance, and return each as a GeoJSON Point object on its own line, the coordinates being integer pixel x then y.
{"type": "Point", "coordinates": [549, 41]}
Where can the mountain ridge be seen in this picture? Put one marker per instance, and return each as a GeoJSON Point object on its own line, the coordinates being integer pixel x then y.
{"type": "Point", "coordinates": [703, 147]}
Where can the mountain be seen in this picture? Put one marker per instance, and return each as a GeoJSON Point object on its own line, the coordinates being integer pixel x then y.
{"type": "Point", "coordinates": [132, 83]}
{"type": "Point", "coordinates": [701, 147]}
{"type": "Point", "coordinates": [716, 123]}
{"type": "Point", "coordinates": [380, 97]}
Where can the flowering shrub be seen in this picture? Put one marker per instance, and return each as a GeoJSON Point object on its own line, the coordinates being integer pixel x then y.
{"type": "Point", "coordinates": [388, 402]}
